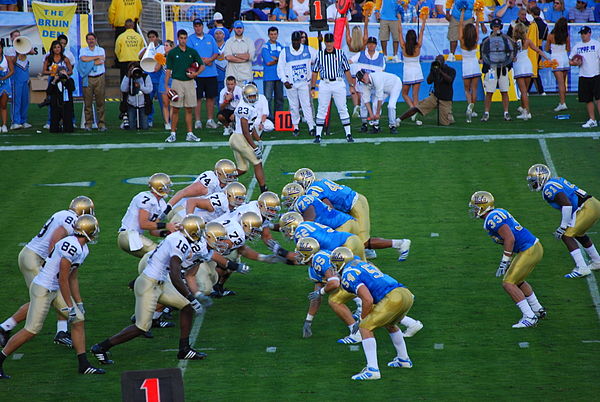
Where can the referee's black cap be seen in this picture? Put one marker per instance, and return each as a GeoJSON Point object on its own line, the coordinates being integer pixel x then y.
{"type": "Point", "coordinates": [329, 37]}
{"type": "Point", "coordinates": [360, 74]}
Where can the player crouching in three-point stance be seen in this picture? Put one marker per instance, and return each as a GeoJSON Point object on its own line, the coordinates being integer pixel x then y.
{"type": "Point", "coordinates": [245, 141]}
{"type": "Point", "coordinates": [59, 273]}
{"type": "Point", "coordinates": [385, 302]}
{"type": "Point", "coordinates": [580, 211]}
{"type": "Point", "coordinates": [505, 230]}
{"type": "Point", "coordinates": [153, 286]}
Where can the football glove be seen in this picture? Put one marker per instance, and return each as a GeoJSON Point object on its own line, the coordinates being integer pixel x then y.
{"type": "Point", "coordinates": [258, 152]}
{"type": "Point", "coordinates": [81, 308]}
{"type": "Point", "coordinates": [272, 259]}
{"type": "Point", "coordinates": [202, 299]}
{"type": "Point", "coordinates": [70, 312]}
{"type": "Point", "coordinates": [197, 306]}
{"type": "Point", "coordinates": [307, 329]}
{"type": "Point", "coordinates": [243, 268]}
{"type": "Point", "coordinates": [315, 295]}
{"type": "Point", "coordinates": [502, 268]}
{"type": "Point", "coordinates": [559, 232]}
{"type": "Point", "coordinates": [273, 245]}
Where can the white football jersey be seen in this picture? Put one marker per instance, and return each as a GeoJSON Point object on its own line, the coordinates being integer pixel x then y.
{"type": "Point", "coordinates": [39, 244]}
{"type": "Point", "coordinates": [200, 253]}
{"type": "Point", "coordinates": [175, 244]}
{"type": "Point", "coordinates": [244, 111]}
{"type": "Point", "coordinates": [147, 201]}
{"type": "Point", "coordinates": [68, 248]}
{"type": "Point", "coordinates": [220, 204]}
{"type": "Point", "coordinates": [235, 232]}
{"type": "Point", "coordinates": [210, 180]}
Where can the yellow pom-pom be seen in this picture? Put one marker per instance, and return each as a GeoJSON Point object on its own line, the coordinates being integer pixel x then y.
{"type": "Point", "coordinates": [449, 4]}
{"type": "Point", "coordinates": [368, 8]}
{"type": "Point", "coordinates": [160, 59]}
{"type": "Point", "coordinates": [478, 5]}
{"type": "Point", "coordinates": [424, 13]}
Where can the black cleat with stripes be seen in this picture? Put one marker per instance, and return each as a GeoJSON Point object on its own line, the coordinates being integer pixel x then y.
{"type": "Point", "coordinates": [190, 354]}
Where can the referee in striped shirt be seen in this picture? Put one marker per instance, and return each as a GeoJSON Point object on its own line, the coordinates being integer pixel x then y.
{"type": "Point", "coordinates": [332, 65]}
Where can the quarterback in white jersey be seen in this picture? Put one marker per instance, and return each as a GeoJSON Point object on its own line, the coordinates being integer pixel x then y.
{"type": "Point", "coordinates": [152, 287]}
{"type": "Point", "coordinates": [32, 256]}
{"type": "Point", "coordinates": [143, 213]}
{"type": "Point", "coordinates": [245, 141]}
{"type": "Point", "coordinates": [59, 274]}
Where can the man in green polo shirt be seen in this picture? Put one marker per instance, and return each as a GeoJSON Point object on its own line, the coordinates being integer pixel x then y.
{"type": "Point", "coordinates": [179, 59]}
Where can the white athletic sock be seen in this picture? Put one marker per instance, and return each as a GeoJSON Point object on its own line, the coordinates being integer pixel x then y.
{"type": "Point", "coordinates": [525, 308]}
{"type": "Point", "coordinates": [370, 349]}
{"type": "Point", "coordinates": [578, 257]}
{"type": "Point", "coordinates": [399, 344]}
{"type": "Point", "coordinates": [593, 253]}
{"type": "Point", "coordinates": [319, 130]}
{"type": "Point", "coordinates": [173, 133]}
{"type": "Point", "coordinates": [156, 315]}
{"type": "Point", "coordinates": [61, 325]}
{"type": "Point", "coordinates": [358, 302]}
{"type": "Point", "coordinates": [9, 324]}
{"type": "Point", "coordinates": [407, 321]}
{"type": "Point", "coordinates": [397, 243]}
{"type": "Point", "coordinates": [533, 302]}
{"type": "Point", "coordinates": [347, 130]}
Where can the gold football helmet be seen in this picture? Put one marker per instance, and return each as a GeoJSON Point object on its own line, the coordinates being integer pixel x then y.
{"type": "Point", "coordinates": [250, 93]}
{"type": "Point", "coordinates": [289, 222]}
{"type": "Point", "coordinates": [82, 205]}
{"type": "Point", "coordinates": [252, 224]}
{"type": "Point", "coordinates": [226, 171]}
{"type": "Point", "coordinates": [304, 177]}
{"type": "Point", "coordinates": [268, 202]}
{"type": "Point", "coordinates": [307, 247]}
{"type": "Point", "coordinates": [192, 227]}
{"type": "Point", "coordinates": [216, 237]}
{"type": "Point", "coordinates": [481, 203]}
{"type": "Point", "coordinates": [537, 176]}
{"type": "Point", "coordinates": [160, 184]}
{"type": "Point", "coordinates": [87, 226]}
{"type": "Point", "coordinates": [290, 193]}
{"type": "Point", "coordinates": [236, 194]}
{"type": "Point", "coordinates": [340, 256]}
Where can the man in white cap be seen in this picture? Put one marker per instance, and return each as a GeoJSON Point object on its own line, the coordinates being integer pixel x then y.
{"type": "Point", "coordinates": [218, 23]}
{"type": "Point", "coordinates": [588, 60]}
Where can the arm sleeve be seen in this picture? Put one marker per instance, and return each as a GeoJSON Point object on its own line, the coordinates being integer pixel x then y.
{"type": "Point", "coordinates": [567, 216]}
{"type": "Point", "coordinates": [251, 50]}
{"type": "Point", "coordinates": [125, 84]}
{"type": "Point", "coordinates": [146, 85]}
{"type": "Point", "coordinates": [281, 67]}
{"type": "Point", "coordinates": [266, 55]}
{"type": "Point", "coordinates": [226, 49]}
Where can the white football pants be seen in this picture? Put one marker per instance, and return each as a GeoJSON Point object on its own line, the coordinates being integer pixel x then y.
{"type": "Point", "coordinates": [299, 96]}
{"type": "Point", "coordinates": [337, 90]}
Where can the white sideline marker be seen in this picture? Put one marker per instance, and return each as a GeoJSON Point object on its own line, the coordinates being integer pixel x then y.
{"type": "Point", "coordinates": [200, 318]}
{"type": "Point", "coordinates": [17, 356]}
{"type": "Point", "coordinates": [438, 346]}
{"type": "Point", "coordinates": [523, 345]}
{"type": "Point", "coordinates": [354, 348]}
{"type": "Point", "coordinates": [435, 234]}
{"type": "Point", "coordinates": [271, 349]}
{"type": "Point", "coordinates": [592, 341]}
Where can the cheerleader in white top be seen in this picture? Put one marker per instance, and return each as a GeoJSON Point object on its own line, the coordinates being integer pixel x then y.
{"type": "Point", "coordinates": [559, 44]}
{"type": "Point", "coordinates": [468, 35]}
{"type": "Point", "coordinates": [522, 67]}
{"type": "Point", "coordinates": [411, 51]}
{"type": "Point", "coordinates": [6, 71]}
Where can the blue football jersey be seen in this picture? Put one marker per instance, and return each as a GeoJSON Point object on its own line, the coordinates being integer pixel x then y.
{"type": "Point", "coordinates": [327, 237]}
{"type": "Point", "coordinates": [341, 197]}
{"type": "Point", "coordinates": [499, 217]}
{"type": "Point", "coordinates": [558, 185]}
{"type": "Point", "coordinates": [358, 272]}
{"type": "Point", "coordinates": [324, 214]}
{"type": "Point", "coordinates": [319, 265]}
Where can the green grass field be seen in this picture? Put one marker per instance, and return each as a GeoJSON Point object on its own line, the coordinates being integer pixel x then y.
{"type": "Point", "coordinates": [415, 188]}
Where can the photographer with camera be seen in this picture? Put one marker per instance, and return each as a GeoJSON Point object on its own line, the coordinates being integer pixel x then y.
{"type": "Point", "coordinates": [442, 77]}
{"type": "Point", "coordinates": [138, 86]}
{"type": "Point", "coordinates": [60, 95]}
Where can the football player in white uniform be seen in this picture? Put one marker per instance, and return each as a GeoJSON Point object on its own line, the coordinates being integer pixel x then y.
{"type": "Point", "coordinates": [143, 214]}
{"type": "Point", "coordinates": [217, 204]}
{"type": "Point", "coordinates": [245, 141]}
{"type": "Point", "coordinates": [153, 286]}
{"type": "Point", "coordinates": [262, 123]}
{"type": "Point", "coordinates": [207, 183]}
{"type": "Point", "coordinates": [32, 256]}
{"type": "Point", "coordinates": [59, 275]}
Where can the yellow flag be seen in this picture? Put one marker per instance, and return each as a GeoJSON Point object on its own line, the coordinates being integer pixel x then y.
{"type": "Point", "coordinates": [52, 20]}
{"type": "Point", "coordinates": [532, 34]}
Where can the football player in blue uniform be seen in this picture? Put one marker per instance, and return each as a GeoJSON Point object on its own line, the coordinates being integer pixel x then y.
{"type": "Point", "coordinates": [505, 230]}
{"type": "Point", "coordinates": [580, 211]}
{"type": "Point", "coordinates": [385, 303]}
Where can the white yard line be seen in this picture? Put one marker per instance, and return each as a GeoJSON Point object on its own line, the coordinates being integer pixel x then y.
{"type": "Point", "coordinates": [590, 279]}
{"type": "Point", "coordinates": [200, 318]}
{"type": "Point", "coordinates": [326, 141]}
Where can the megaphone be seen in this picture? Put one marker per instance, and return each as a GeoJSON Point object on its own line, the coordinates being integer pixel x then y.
{"type": "Point", "coordinates": [148, 63]}
{"type": "Point", "coordinates": [22, 45]}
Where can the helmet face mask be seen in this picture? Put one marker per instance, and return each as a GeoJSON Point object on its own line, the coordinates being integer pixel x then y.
{"type": "Point", "coordinates": [305, 177]}
{"type": "Point", "coordinates": [339, 257]}
{"type": "Point", "coordinates": [192, 227]}
{"type": "Point", "coordinates": [537, 176]}
{"type": "Point", "coordinates": [87, 226]}
{"type": "Point", "coordinates": [269, 205]}
{"type": "Point", "coordinates": [226, 171]}
{"type": "Point", "coordinates": [160, 184]}
{"type": "Point", "coordinates": [290, 193]}
{"type": "Point", "coordinates": [217, 237]}
{"type": "Point", "coordinates": [82, 205]}
{"type": "Point", "coordinates": [252, 224]}
{"type": "Point", "coordinates": [481, 203]}
{"type": "Point", "coordinates": [236, 194]}
{"type": "Point", "coordinates": [289, 222]}
{"type": "Point", "coordinates": [250, 93]}
{"type": "Point", "coordinates": [306, 249]}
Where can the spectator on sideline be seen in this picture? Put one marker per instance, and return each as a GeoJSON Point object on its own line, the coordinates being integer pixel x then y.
{"type": "Point", "coordinates": [20, 81]}
{"type": "Point", "coordinates": [95, 81]}
{"type": "Point", "coordinates": [589, 73]}
{"type": "Point", "coordinates": [507, 12]}
{"type": "Point", "coordinates": [557, 11]}
{"type": "Point", "coordinates": [283, 13]}
{"type": "Point", "coordinates": [531, 4]}
{"type": "Point", "coordinates": [218, 24]}
{"type": "Point", "coordinates": [166, 103]}
{"type": "Point", "coordinates": [301, 8]}
{"type": "Point", "coordinates": [6, 71]}
{"type": "Point", "coordinates": [387, 13]}
{"type": "Point", "coordinates": [542, 28]}
{"type": "Point", "coordinates": [442, 77]}
{"type": "Point", "coordinates": [220, 62]}
{"type": "Point", "coordinates": [64, 41]}
{"type": "Point", "coordinates": [137, 84]}
{"type": "Point", "coordinates": [60, 94]}
{"type": "Point", "coordinates": [468, 35]}
{"type": "Point", "coordinates": [581, 13]}
{"type": "Point", "coordinates": [206, 81]}
{"type": "Point", "coordinates": [559, 44]}
{"type": "Point", "coordinates": [272, 85]}
{"type": "Point", "coordinates": [122, 10]}
{"type": "Point", "coordinates": [179, 59]}
{"type": "Point", "coordinates": [412, 75]}
{"type": "Point", "coordinates": [464, 9]}
{"type": "Point", "coordinates": [521, 18]}
{"type": "Point", "coordinates": [239, 53]}
{"type": "Point", "coordinates": [229, 97]}
{"type": "Point", "coordinates": [333, 14]}
{"type": "Point", "coordinates": [55, 59]}
{"type": "Point", "coordinates": [156, 76]}
{"type": "Point", "coordinates": [128, 46]}
{"type": "Point", "coordinates": [408, 12]}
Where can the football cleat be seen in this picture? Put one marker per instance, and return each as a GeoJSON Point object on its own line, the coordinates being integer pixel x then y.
{"type": "Point", "coordinates": [400, 363]}
{"type": "Point", "coordinates": [4, 336]}
{"type": "Point", "coordinates": [317, 139]}
{"type": "Point", "coordinates": [296, 132]}
{"type": "Point", "coordinates": [3, 375]}
{"type": "Point", "coordinates": [63, 338]}
{"type": "Point", "coordinates": [578, 272]}
{"type": "Point", "coordinates": [526, 322]}
{"type": "Point", "coordinates": [313, 131]}
{"type": "Point", "coordinates": [148, 335]}
{"type": "Point", "coordinates": [541, 313]}
{"type": "Point", "coordinates": [190, 354]}
{"type": "Point", "coordinates": [413, 329]}
{"type": "Point", "coordinates": [91, 370]}
{"type": "Point", "coordinates": [364, 128]}
{"type": "Point", "coordinates": [158, 323]}
{"type": "Point", "coordinates": [167, 314]}
{"type": "Point", "coordinates": [351, 339]}
{"type": "Point", "coordinates": [594, 266]}
{"type": "Point", "coordinates": [368, 373]}
{"type": "Point", "coordinates": [349, 138]}
{"type": "Point", "coordinates": [370, 254]}
{"type": "Point", "coordinates": [404, 250]}
{"type": "Point", "coordinates": [101, 354]}
{"type": "Point", "coordinates": [393, 130]}
{"type": "Point", "coordinates": [481, 202]}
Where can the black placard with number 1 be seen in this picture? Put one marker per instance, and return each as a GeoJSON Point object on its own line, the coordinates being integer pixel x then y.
{"type": "Point", "coordinates": [159, 385]}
